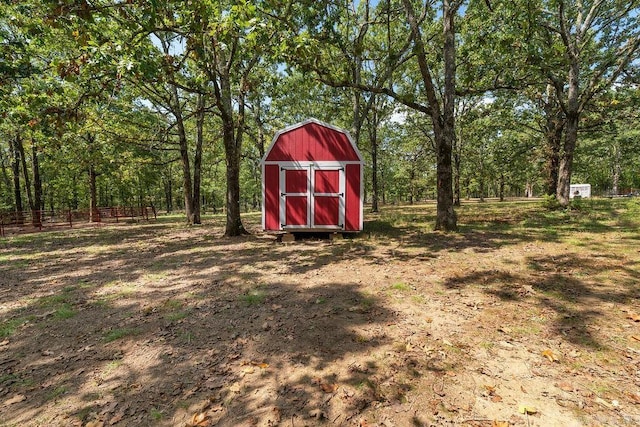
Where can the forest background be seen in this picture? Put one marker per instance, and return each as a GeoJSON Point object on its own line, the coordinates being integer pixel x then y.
{"type": "Point", "coordinates": [172, 104]}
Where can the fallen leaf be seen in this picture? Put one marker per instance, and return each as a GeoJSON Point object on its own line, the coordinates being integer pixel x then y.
{"type": "Point", "coordinates": [235, 387]}
{"type": "Point", "coordinates": [500, 424]}
{"type": "Point", "coordinates": [248, 370]}
{"type": "Point", "coordinates": [524, 390]}
{"type": "Point", "coordinates": [3, 343]}
{"type": "Point", "coordinates": [117, 417]}
{"type": "Point", "coordinates": [505, 330]}
{"type": "Point", "coordinates": [634, 317]}
{"type": "Point", "coordinates": [495, 398]}
{"type": "Point", "coordinates": [199, 420]}
{"type": "Point", "coordinates": [549, 355]}
{"type": "Point", "coordinates": [364, 423]}
{"type": "Point", "coordinates": [635, 398]}
{"type": "Point", "coordinates": [260, 365]}
{"type": "Point", "coordinates": [565, 386]}
{"type": "Point", "coordinates": [95, 423]}
{"type": "Point", "coordinates": [15, 399]}
{"type": "Point", "coordinates": [490, 389]}
{"type": "Point", "coordinates": [329, 388]}
{"type": "Point", "coordinates": [527, 410]}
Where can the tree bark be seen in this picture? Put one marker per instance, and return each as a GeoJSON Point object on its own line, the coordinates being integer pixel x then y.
{"type": "Point", "coordinates": [442, 116]}
{"type": "Point", "coordinates": [38, 200]}
{"type": "Point", "coordinates": [374, 165]}
{"type": "Point", "coordinates": [617, 168]}
{"type": "Point", "coordinates": [15, 167]}
{"type": "Point", "coordinates": [457, 163]}
{"type": "Point", "coordinates": [553, 129]}
{"type": "Point", "coordinates": [571, 135]}
{"type": "Point", "coordinates": [446, 217]}
{"type": "Point", "coordinates": [25, 172]}
{"type": "Point", "coordinates": [566, 160]}
{"type": "Point", "coordinates": [168, 190]}
{"type": "Point", "coordinates": [184, 158]}
{"type": "Point", "coordinates": [197, 161]}
{"type": "Point", "coordinates": [4, 163]}
{"type": "Point", "coordinates": [94, 214]}
{"type": "Point", "coordinates": [232, 139]}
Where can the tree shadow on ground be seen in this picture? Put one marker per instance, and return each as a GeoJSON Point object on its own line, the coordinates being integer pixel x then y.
{"type": "Point", "coordinates": [153, 331]}
{"type": "Point", "coordinates": [566, 284]}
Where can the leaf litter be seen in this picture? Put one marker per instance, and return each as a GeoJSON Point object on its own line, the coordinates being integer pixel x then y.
{"type": "Point", "coordinates": [456, 331]}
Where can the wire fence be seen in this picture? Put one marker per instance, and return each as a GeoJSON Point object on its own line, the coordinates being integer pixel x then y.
{"type": "Point", "coordinates": [40, 220]}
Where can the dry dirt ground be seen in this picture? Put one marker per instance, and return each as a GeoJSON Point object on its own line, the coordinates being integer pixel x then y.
{"type": "Point", "coordinates": [524, 318]}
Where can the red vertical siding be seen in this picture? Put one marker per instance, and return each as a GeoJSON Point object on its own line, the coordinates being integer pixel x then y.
{"type": "Point", "coordinates": [352, 198]}
{"type": "Point", "coordinates": [272, 197]}
{"type": "Point", "coordinates": [296, 210]}
{"type": "Point", "coordinates": [296, 181]}
{"type": "Point", "coordinates": [327, 210]}
{"type": "Point", "coordinates": [327, 181]}
{"type": "Point", "coordinates": [312, 142]}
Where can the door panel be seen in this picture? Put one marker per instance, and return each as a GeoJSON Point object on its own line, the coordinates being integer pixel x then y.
{"type": "Point", "coordinates": [326, 210]}
{"type": "Point", "coordinates": [296, 208]}
{"type": "Point", "coordinates": [296, 181]}
{"type": "Point", "coordinates": [295, 199]}
{"type": "Point", "coordinates": [327, 181]}
{"type": "Point", "coordinates": [312, 198]}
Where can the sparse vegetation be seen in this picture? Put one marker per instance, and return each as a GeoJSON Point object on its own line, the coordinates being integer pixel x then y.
{"type": "Point", "coordinates": [387, 321]}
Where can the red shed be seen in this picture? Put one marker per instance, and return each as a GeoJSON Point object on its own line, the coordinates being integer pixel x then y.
{"type": "Point", "coordinates": [312, 180]}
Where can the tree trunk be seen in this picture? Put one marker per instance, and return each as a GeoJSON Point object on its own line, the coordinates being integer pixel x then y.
{"type": "Point", "coordinates": [25, 172]}
{"type": "Point", "coordinates": [617, 168]}
{"type": "Point", "coordinates": [456, 178]}
{"type": "Point", "coordinates": [168, 190]}
{"type": "Point", "coordinates": [501, 187]}
{"type": "Point", "coordinates": [566, 160]}
{"type": "Point", "coordinates": [571, 135]}
{"type": "Point", "coordinates": [38, 200]}
{"type": "Point", "coordinates": [4, 163]}
{"type": "Point", "coordinates": [554, 129]}
{"type": "Point", "coordinates": [442, 117]}
{"type": "Point", "coordinates": [94, 214]}
{"type": "Point", "coordinates": [232, 143]}
{"type": "Point", "coordinates": [184, 160]}
{"type": "Point", "coordinates": [15, 167]}
{"type": "Point", "coordinates": [374, 171]}
{"type": "Point", "coordinates": [446, 217]}
{"type": "Point", "coordinates": [197, 161]}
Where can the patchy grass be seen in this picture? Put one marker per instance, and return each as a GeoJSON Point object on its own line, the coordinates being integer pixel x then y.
{"type": "Point", "coordinates": [117, 334]}
{"type": "Point", "coordinates": [254, 297]}
{"type": "Point", "coordinates": [402, 287]}
{"type": "Point", "coordinates": [9, 327]}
